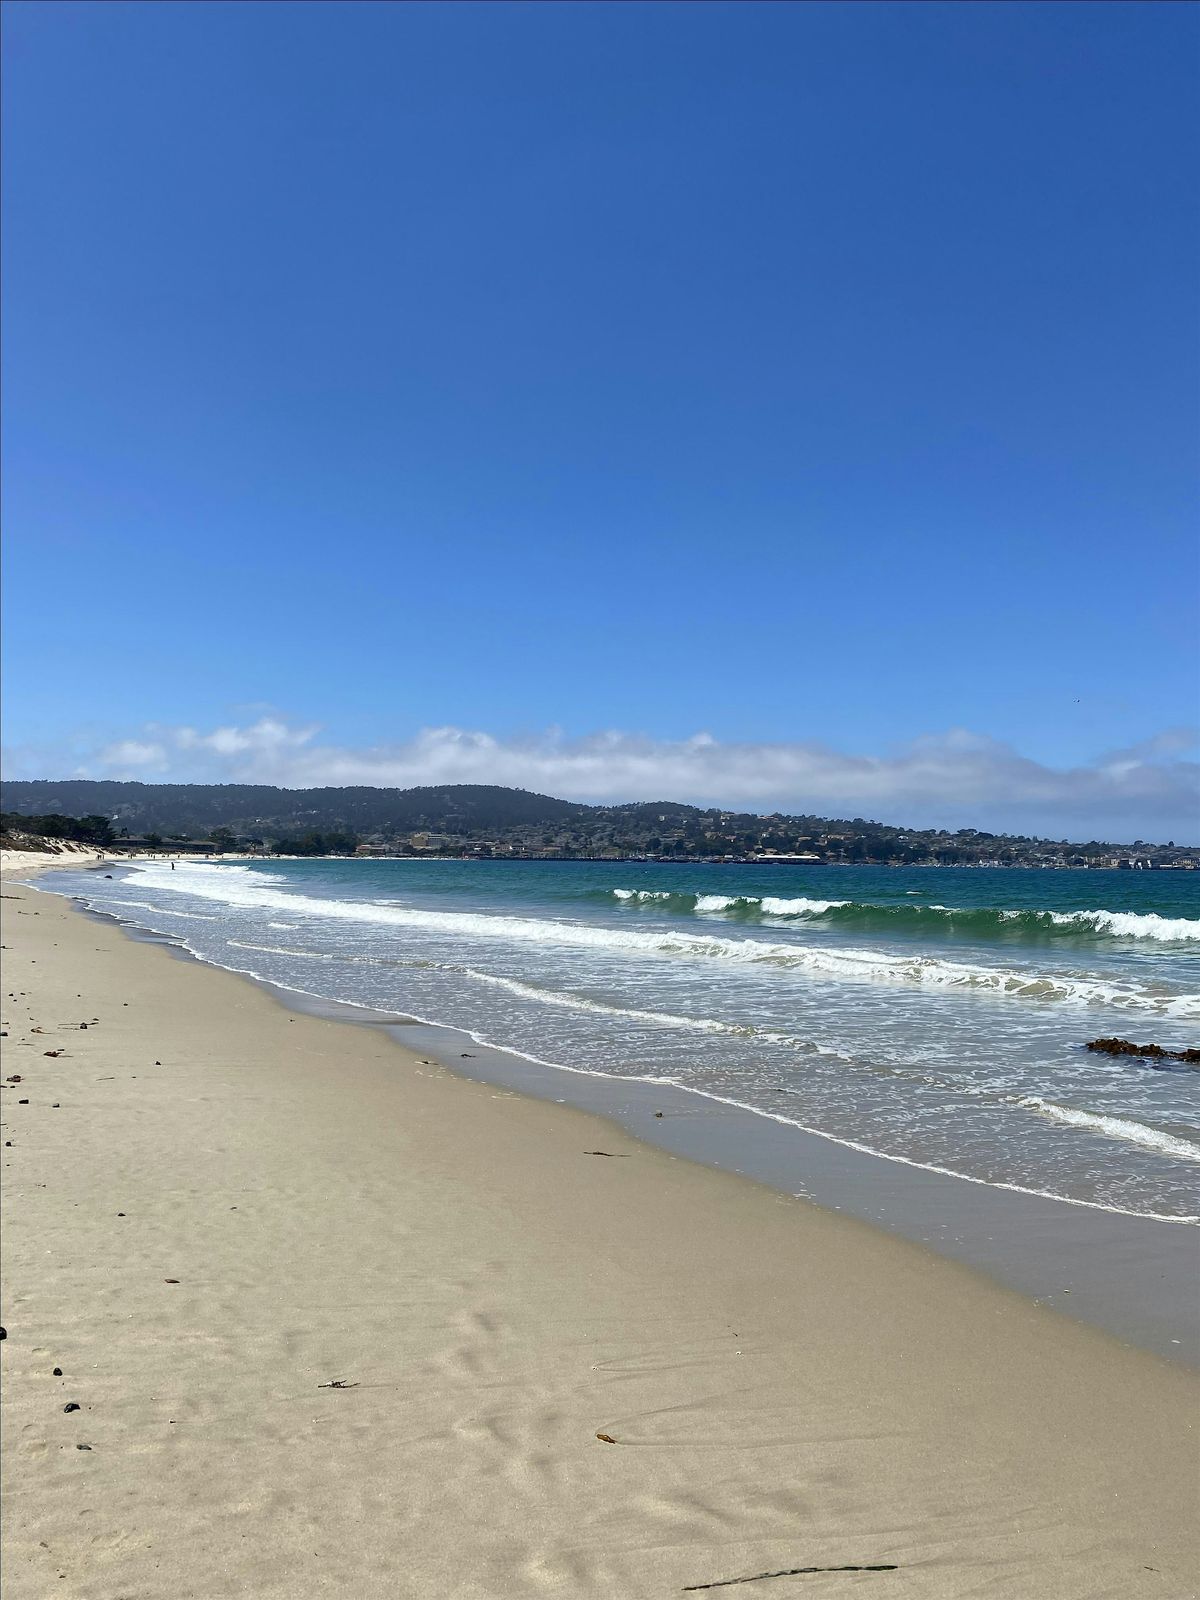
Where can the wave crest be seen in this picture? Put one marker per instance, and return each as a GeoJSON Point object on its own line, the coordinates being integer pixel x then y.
{"type": "Point", "coordinates": [842, 963]}
{"type": "Point", "coordinates": [979, 921]}
{"type": "Point", "coordinates": [1123, 1128]}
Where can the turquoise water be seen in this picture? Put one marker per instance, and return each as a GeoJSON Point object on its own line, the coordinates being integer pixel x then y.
{"type": "Point", "coordinates": [935, 1016]}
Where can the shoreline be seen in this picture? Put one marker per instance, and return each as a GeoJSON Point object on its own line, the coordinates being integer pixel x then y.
{"type": "Point", "coordinates": [1130, 1275]}
{"type": "Point", "coordinates": [217, 1207]}
{"type": "Point", "coordinates": [236, 856]}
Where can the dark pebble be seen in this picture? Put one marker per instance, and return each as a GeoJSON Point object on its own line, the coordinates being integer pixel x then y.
{"type": "Point", "coordinates": [83, 1447]}
{"type": "Point", "coordinates": [22, 1102]}
{"type": "Point", "coordinates": [57, 1373]}
{"type": "Point", "coordinates": [71, 1405]}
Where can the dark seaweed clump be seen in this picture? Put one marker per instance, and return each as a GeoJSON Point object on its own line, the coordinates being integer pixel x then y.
{"type": "Point", "coordinates": [1153, 1053]}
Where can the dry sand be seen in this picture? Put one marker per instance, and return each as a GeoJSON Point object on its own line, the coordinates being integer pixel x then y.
{"type": "Point", "coordinates": [215, 1209]}
{"type": "Point", "coordinates": [28, 863]}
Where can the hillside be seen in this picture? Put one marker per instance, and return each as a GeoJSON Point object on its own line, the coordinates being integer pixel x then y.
{"type": "Point", "coordinates": [195, 808]}
{"type": "Point", "coordinates": [482, 819]}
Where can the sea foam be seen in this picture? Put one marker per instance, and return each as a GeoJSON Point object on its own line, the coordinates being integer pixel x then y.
{"type": "Point", "coordinates": [1124, 1128]}
{"type": "Point", "coordinates": [981, 921]}
{"type": "Point", "coordinates": [238, 886]}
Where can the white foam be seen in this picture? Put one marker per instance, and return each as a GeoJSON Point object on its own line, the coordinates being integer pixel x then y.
{"type": "Point", "coordinates": [143, 905]}
{"type": "Point", "coordinates": [306, 955]}
{"type": "Point", "coordinates": [544, 996]}
{"type": "Point", "coordinates": [1133, 924]}
{"type": "Point", "coordinates": [576, 1002]}
{"type": "Point", "coordinates": [1117, 924]}
{"type": "Point", "coordinates": [925, 1166]}
{"type": "Point", "coordinates": [772, 904]}
{"type": "Point", "coordinates": [240, 886]}
{"type": "Point", "coordinates": [527, 991]}
{"type": "Point", "coordinates": [1123, 1128]}
{"type": "Point", "coordinates": [799, 907]}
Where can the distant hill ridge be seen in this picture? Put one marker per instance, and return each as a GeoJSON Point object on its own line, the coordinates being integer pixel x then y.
{"type": "Point", "coordinates": [245, 806]}
{"type": "Point", "coordinates": [516, 821]}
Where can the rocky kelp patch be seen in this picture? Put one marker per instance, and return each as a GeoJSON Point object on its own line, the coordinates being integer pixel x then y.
{"type": "Point", "coordinates": [1154, 1053]}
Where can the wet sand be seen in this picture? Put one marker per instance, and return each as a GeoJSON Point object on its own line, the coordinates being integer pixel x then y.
{"type": "Point", "coordinates": [216, 1208]}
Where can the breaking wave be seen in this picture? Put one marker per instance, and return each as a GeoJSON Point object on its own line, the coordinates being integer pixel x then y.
{"type": "Point", "coordinates": [1124, 1128]}
{"type": "Point", "coordinates": [978, 921]}
{"type": "Point", "coordinates": [245, 887]}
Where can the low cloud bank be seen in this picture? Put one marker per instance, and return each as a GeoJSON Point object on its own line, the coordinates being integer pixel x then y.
{"type": "Point", "coordinates": [956, 779]}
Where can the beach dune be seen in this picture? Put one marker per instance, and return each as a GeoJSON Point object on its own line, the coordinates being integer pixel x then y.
{"type": "Point", "coordinates": [338, 1322]}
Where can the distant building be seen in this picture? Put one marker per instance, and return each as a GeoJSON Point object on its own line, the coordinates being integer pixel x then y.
{"type": "Point", "coordinates": [166, 847]}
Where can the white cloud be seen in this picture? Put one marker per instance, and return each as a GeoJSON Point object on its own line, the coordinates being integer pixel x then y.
{"type": "Point", "coordinates": [264, 738]}
{"type": "Point", "coordinates": [953, 779]}
{"type": "Point", "coordinates": [131, 757]}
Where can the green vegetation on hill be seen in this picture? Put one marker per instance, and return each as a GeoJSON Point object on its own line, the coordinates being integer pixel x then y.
{"type": "Point", "coordinates": [95, 830]}
{"type": "Point", "coordinates": [485, 820]}
{"type": "Point", "coordinates": [317, 844]}
{"type": "Point", "coordinates": [197, 808]}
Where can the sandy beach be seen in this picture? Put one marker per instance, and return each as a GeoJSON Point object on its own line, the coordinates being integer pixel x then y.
{"type": "Point", "coordinates": [330, 1319]}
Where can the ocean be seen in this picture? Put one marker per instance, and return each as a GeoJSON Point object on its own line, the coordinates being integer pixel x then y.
{"type": "Point", "coordinates": [936, 1016]}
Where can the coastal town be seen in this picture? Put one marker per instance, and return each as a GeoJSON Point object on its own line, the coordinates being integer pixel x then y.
{"type": "Point", "coordinates": [487, 822]}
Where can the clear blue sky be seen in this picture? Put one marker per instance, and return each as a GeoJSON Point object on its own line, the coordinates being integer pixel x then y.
{"type": "Point", "coordinates": [794, 373]}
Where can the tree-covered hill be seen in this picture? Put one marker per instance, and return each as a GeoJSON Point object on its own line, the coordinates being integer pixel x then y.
{"type": "Point", "coordinates": [483, 819]}
{"type": "Point", "coordinates": [196, 808]}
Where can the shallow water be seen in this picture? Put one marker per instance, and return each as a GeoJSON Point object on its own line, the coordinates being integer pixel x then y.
{"type": "Point", "coordinates": [935, 1016]}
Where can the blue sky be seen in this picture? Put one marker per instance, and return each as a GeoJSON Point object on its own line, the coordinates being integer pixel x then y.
{"type": "Point", "coordinates": [814, 378]}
